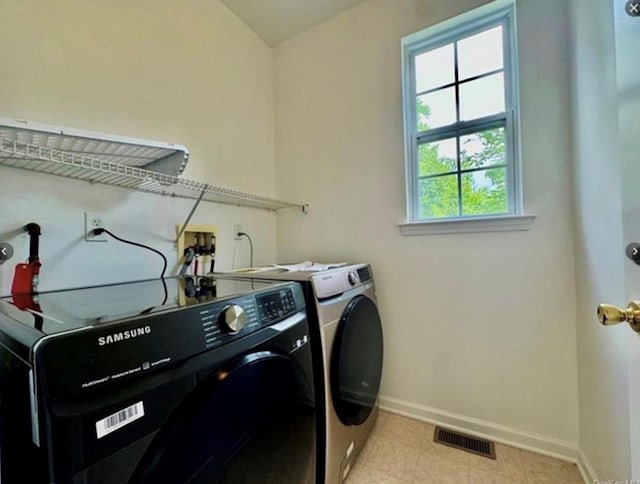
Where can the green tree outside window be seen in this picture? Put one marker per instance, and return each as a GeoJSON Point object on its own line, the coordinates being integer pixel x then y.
{"type": "Point", "coordinates": [483, 191]}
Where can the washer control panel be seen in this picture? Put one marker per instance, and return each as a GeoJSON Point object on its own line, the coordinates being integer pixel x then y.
{"type": "Point", "coordinates": [275, 305]}
{"type": "Point", "coordinates": [111, 352]}
{"type": "Point", "coordinates": [223, 322]}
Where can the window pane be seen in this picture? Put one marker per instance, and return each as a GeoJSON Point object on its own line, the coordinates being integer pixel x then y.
{"type": "Point", "coordinates": [438, 157]}
{"type": "Point", "coordinates": [482, 97]}
{"type": "Point", "coordinates": [436, 109]}
{"type": "Point", "coordinates": [480, 53]}
{"type": "Point", "coordinates": [438, 196]}
{"type": "Point", "coordinates": [434, 68]}
{"type": "Point", "coordinates": [483, 149]}
{"type": "Point", "coordinates": [484, 192]}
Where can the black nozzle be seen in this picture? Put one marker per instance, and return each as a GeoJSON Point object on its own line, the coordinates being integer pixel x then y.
{"type": "Point", "coordinates": [33, 229]}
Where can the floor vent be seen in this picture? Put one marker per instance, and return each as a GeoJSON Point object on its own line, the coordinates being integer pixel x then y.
{"type": "Point", "coordinates": [477, 446]}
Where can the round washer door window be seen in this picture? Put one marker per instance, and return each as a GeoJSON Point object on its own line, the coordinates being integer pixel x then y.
{"type": "Point", "coordinates": [356, 361]}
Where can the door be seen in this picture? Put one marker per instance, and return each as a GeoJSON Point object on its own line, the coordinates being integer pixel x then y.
{"type": "Point", "coordinates": [356, 361]}
{"type": "Point", "coordinates": [626, 39]}
{"type": "Point", "coordinates": [627, 34]}
{"type": "Point", "coordinates": [250, 421]}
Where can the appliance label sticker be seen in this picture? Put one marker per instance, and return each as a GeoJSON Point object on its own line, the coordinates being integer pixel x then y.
{"type": "Point", "coordinates": [119, 419]}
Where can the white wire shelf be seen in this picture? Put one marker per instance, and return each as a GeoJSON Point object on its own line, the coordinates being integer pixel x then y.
{"type": "Point", "coordinates": [156, 156]}
{"type": "Point", "coordinates": [41, 159]}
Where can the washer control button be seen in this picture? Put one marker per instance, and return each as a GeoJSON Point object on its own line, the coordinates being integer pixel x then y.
{"type": "Point", "coordinates": [233, 318]}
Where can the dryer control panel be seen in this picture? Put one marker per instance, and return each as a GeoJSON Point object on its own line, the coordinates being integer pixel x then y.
{"type": "Point", "coordinates": [337, 281]}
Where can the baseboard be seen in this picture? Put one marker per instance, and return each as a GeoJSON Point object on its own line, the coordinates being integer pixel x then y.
{"type": "Point", "coordinates": [586, 469]}
{"type": "Point", "coordinates": [541, 444]}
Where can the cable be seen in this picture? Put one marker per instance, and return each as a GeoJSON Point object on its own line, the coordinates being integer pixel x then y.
{"type": "Point", "coordinates": [244, 234]}
{"type": "Point", "coordinates": [164, 301]}
{"type": "Point", "coordinates": [136, 244]}
{"type": "Point", "coordinates": [164, 259]}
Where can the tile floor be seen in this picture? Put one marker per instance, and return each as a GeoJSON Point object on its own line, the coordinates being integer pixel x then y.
{"type": "Point", "coordinates": [401, 450]}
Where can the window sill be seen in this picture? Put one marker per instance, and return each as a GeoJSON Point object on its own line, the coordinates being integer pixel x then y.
{"type": "Point", "coordinates": [502, 223]}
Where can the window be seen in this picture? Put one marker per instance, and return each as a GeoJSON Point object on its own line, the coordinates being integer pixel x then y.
{"type": "Point", "coordinates": [460, 95]}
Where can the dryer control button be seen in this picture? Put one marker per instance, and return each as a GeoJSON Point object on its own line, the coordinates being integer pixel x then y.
{"type": "Point", "coordinates": [353, 278]}
{"type": "Point", "coordinates": [233, 318]}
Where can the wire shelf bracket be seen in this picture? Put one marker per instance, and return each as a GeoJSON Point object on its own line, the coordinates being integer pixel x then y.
{"type": "Point", "coordinates": [193, 210]}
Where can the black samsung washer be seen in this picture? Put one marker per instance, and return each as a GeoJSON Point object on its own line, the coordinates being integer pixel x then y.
{"type": "Point", "coordinates": [158, 382]}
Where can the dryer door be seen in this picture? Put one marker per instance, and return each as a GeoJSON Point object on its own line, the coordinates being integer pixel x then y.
{"type": "Point", "coordinates": [356, 361]}
{"type": "Point", "coordinates": [251, 421]}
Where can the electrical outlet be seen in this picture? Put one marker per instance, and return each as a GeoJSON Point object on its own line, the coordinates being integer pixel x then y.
{"type": "Point", "coordinates": [237, 228]}
{"type": "Point", "coordinates": [94, 221]}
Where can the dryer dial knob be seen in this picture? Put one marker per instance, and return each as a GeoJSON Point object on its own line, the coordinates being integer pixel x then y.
{"type": "Point", "coordinates": [233, 319]}
{"type": "Point", "coordinates": [353, 279]}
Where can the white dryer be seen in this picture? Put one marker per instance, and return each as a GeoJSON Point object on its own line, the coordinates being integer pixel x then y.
{"type": "Point", "coordinates": [348, 347]}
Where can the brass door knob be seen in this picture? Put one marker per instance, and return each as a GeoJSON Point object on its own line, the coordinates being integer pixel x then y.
{"type": "Point", "coordinates": [609, 315]}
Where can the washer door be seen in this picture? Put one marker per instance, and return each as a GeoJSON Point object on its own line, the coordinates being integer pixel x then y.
{"type": "Point", "coordinates": [251, 421]}
{"type": "Point", "coordinates": [356, 361]}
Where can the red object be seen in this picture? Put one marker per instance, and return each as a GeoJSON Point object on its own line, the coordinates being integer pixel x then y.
{"type": "Point", "coordinates": [25, 278]}
{"type": "Point", "coordinates": [25, 302]}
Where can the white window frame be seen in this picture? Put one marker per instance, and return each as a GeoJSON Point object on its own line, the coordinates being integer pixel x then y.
{"type": "Point", "coordinates": [501, 12]}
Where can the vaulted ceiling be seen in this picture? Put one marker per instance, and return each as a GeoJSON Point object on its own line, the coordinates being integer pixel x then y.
{"type": "Point", "coordinates": [278, 20]}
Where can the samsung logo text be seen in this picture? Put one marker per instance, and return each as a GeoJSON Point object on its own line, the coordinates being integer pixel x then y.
{"type": "Point", "coordinates": [123, 335]}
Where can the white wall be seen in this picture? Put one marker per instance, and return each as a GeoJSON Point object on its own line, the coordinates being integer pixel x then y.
{"type": "Point", "coordinates": [602, 364]}
{"type": "Point", "coordinates": [188, 72]}
{"type": "Point", "coordinates": [481, 326]}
